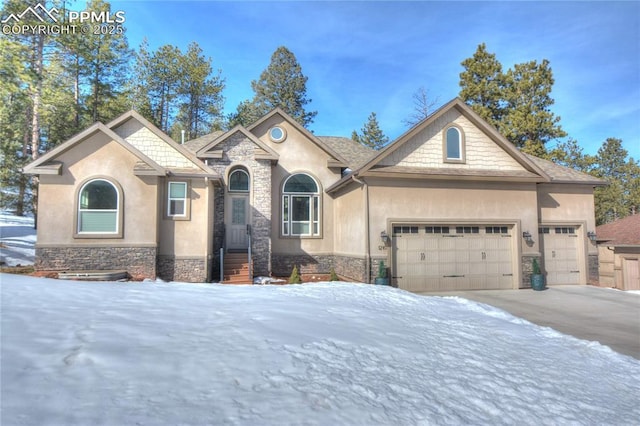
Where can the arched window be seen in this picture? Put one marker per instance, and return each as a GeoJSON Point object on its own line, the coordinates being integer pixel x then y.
{"type": "Point", "coordinates": [239, 181]}
{"type": "Point", "coordinates": [454, 144]}
{"type": "Point", "coordinates": [300, 206]}
{"type": "Point", "coordinates": [99, 208]}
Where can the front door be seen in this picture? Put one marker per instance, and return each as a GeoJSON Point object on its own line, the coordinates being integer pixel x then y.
{"type": "Point", "coordinates": [237, 220]}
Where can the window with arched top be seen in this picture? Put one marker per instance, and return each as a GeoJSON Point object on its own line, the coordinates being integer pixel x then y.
{"type": "Point", "coordinates": [99, 208]}
{"type": "Point", "coordinates": [239, 181]}
{"type": "Point", "coordinates": [300, 206]}
{"type": "Point", "coordinates": [453, 145]}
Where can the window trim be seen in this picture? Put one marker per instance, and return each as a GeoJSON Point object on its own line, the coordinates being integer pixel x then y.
{"type": "Point", "coordinates": [187, 200]}
{"type": "Point", "coordinates": [119, 232]}
{"type": "Point", "coordinates": [315, 206]}
{"type": "Point", "coordinates": [461, 145]}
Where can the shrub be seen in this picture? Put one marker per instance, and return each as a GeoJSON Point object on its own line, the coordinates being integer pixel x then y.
{"type": "Point", "coordinates": [536, 267]}
{"type": "Point", "coordinates": [295, 276]}
{"type": "Point", "coordinates": [333, 276]}
{"type": "Point", "coordinates": [382, 271]}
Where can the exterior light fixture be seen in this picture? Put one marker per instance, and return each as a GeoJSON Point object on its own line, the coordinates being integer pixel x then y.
{"type": "Point", "coordinates": [527, 237]}
{"type": "Point", "coordinates": [591, 235]}
{"type": "Point", "coordinates": [384, 237]}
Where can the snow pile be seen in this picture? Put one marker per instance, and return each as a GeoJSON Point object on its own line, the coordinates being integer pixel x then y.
{"type": "Point", "coordinates": [17, 240]}
{"type": "Point", "coordinates": [78, 353]}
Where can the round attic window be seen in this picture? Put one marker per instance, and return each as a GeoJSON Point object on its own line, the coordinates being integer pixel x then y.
{"type": "Point", "coordinates": [277, 134]}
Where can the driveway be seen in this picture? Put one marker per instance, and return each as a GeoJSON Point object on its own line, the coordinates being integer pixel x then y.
{"type": "Point", "coordinates": [610, 317]}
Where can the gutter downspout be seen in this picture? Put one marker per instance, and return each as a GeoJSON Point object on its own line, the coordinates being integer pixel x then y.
{"type": "Point", "coordinates": [367, 259]}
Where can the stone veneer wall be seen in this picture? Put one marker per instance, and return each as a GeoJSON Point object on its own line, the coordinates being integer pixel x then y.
{"type": "Point", "coordinates": [171, 268]}
{"type": "Point", "coordinates": [238, 149]}
{"type": "Point", "coordinates": [527, 269]}
{"type": "Point", "coordinates": [351, 268]}
{"type": "Point", "coordinates": [139, 262]}
{"type": "Point", "coordinates": [594, 269]}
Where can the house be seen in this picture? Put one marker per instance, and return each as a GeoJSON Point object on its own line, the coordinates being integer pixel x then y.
{"type": "Point", "coordinates": [451, 204]}
{"type": "Point", "coordinates": [619, 253]}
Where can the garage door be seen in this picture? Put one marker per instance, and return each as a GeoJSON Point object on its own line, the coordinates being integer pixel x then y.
{"type": "Point", "coordinates": [560, 245]}
{"type": "Point", "coordinates": [452, 257]}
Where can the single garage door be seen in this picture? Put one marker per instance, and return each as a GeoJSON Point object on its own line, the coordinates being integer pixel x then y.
{"type": "Point", "coordinates": [452, 257]}
{"type": "Point", "coordinates": [560, 246]}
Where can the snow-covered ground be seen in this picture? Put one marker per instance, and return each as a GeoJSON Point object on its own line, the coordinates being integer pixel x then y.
{"type": "Point", "coordinates": [17, 240]}
{"type": "Point", "coordinates": [85, 353]}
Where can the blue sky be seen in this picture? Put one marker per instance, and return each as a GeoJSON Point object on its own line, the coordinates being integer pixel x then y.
{"type": "Point", "coordinates": [362, 57]}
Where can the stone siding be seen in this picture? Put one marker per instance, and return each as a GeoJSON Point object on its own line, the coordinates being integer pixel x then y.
{"type": "Point", "coordinates": [283, 264]}
{"type": "Point", "coordinates": [139, 262]}
{"type": "Point", "coordinates": [240, 150]}
{"type": "Point", "coordinates": [527, 269]}
{"type": "Point", "coordinates": [351, 268]}
{"type": "Point", "coordinates": [192, 270]}
{"type": "Point", "coordinates": [594, 269]}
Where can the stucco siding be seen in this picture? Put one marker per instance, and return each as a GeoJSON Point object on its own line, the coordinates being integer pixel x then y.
{"type": "Point", "coordinates": [297, 154]}
{"type": "Point", "coordinates": [97, 157]}
{"type": "Point", "coordinates": [189, 237]}
{"type": "Point", "coordinates": [425, 149]}
{"type": "Point", "coordinates": [349, 218]}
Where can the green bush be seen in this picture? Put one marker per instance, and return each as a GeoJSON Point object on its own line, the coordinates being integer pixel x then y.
{"type": "Point", "coordinates": [295, 276]}
{"type": "Point", "coordinates": [382, 271]}
{"type": "Point", "coordinates": [333, 276]}
{"type": "Point", "coordinates": [536, 267]}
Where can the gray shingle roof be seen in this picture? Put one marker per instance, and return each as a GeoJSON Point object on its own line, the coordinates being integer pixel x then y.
{"type": "Point", "coordinates": [196, 144]}
{"type": "Point", "coordinates": [559, 173]}
{"type": "Point", "coordinates": [352, 151]}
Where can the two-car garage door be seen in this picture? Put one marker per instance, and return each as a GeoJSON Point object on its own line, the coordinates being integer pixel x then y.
{"type": "Point", "coordinates": [453, 257]}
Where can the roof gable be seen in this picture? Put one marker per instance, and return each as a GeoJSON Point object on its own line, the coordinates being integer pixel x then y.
{"type": "Point", "coordinates": [46, 164]}
{"type": "Point", "coordinates": [335, 160]}
{"type": "Point", "coordinates": [145, 136]}
{"type": "Point", "coordinates": [214, 149]}
{"type": "Point", "coordinates": [487, 153]}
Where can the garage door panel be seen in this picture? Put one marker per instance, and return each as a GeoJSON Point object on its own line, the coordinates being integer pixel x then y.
{"type": "Point", "coordinates": [560, 255]}
{"type": "Point", "coordinates": [465, 257]}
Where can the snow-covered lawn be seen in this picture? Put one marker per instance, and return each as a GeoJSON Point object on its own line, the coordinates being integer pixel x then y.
{"type": "Point", "coordinates": [81, 353]}
{"type": "Point", "coordinates": [17, 240]}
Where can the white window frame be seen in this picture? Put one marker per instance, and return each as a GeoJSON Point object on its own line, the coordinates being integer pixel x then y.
{"type": "Point", "coordinates": [183, 199]}
{"type": "Point", "coordinates": [315, 209]}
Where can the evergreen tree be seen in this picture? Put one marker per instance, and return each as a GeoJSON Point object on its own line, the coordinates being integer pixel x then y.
{"type": "Point", "coordinates": [482, 85]}
{"type": "Point", "coordinates": [527, 119]}
{"type": "Point", "coordinates": [517, 102]}
{"type": "Point", "coordinates": [283, 85]}
{"type": "Point", "coordinates": [372, 136]}
{"type": "Point", "coordinates": [621, 195]}
{"type": "Point", "coordinates": [201, 94]}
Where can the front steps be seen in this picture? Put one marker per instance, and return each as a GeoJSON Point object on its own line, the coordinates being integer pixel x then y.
{"type": "Point", "coordinates": [236, 269]}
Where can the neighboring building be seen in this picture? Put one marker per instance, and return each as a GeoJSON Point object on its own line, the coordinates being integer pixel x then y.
{"type": "Point", "coordinates": [619, 253]}
{"type": "Point", "coordinates": [451, 204]}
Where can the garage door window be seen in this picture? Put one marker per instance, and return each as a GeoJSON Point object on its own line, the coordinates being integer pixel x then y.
{"type": "Point", "coordinates": [496, 230]}
{"type": "Point", "coordinates": [565, 230]}
{"type": "Point", "coordinates": [436, 229]}
{"type": "Point", "coordinates": [467, 229]}
{"type": "Point", "coordinates": [397, 230]}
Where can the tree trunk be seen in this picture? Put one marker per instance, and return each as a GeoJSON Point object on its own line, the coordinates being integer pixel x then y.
{"type": "Point", "coordinates": [38, 63]}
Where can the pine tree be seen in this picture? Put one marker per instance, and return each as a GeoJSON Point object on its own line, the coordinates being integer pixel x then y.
{"type": "Point", "coordinates": [482, 85]}
{"type": "Point", "coordinates": [372, 136]}
{"type": "Point", "coordinates": [201, 94]}
{"type": "Point", "coordinates": [517, 103]}
{"type": "Point", "coordinates": [283, 85]}
{"type": "Point", "coordinates": [527, 119]}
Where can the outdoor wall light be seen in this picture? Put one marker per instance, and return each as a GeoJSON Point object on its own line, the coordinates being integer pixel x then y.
{"type": "Point", "coordinates": [384, 237]}
{"type": "Point", "coordinates": [592, 236]}
{"type": "Point", "coordinates": [527, 237]}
